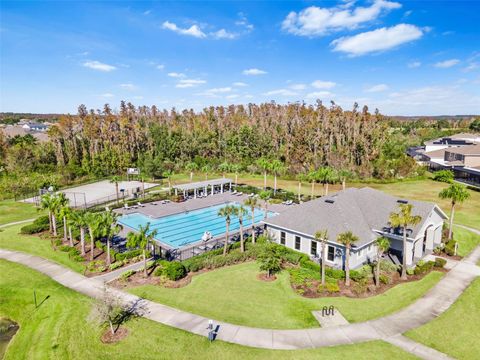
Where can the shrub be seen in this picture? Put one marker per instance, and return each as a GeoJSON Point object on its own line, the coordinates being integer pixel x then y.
{"type": "Point", "coordinates": [450, 248]}
{"type": "Point", "coordinates": [410, 271]}
{"type": "Point", "coordinates": [438, 250]}
{"type": "Point", "coordinates": [127, 274]}
{"type": "Point", "coordinates": [99, 245]}
{"type": "Point", "coordinates": [270, 259]}
{"type": "Point", "coordinates": [331, 287]}
{"type": "Point", "coordinates": [384, 279]}
{"type": "Point", "coordinates": [292, 258]}
{"type": "Point", "coordinates": [78, 258]}
{"type": "Point", "coordinates": [65, 248]}
{"type": "Point", "coordinates": [362, 273]}
{"type": "Point", "coordinates": [335, 273]}
{"type": "Point", "coordinates": [33, 229]}
{"type": "Point", "coordinates": [175, 271]}
{"type": "Point", "coordinates": [300, 276]}
{"type": "Point", "coordinates": [423, 267]}
{"type": "Point", "coordinates": [443, 176]}
{"type": "Point", "coordinates": [115, 265]}
{"type": "Point", "coordinates": [58, 242]}
{"type": "Point", "coordinates": [72, 252]}
{"type": "Point", "coordinates": [102, 268]}
{"type": "Point", "coordinates": [440, 262]}
{"type": "Point", "coordinates": [150, 264]}
{"type": "Point", "coordinates": [388, 267]}
{"type": "Point", "coordinates": [194, 264]}
{"type": "Point", "coordinates": [42, 220]}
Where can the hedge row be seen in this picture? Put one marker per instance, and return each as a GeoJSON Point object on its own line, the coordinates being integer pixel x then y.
{"type": "Point", "coordinates": [39, 225]}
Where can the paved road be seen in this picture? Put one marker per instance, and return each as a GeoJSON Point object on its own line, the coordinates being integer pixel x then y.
{"type": "Point", "coordinates": [435, 302]}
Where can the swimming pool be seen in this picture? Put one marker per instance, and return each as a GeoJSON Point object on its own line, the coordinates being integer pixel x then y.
{"type": "Point", "coordinates": [186, 228]}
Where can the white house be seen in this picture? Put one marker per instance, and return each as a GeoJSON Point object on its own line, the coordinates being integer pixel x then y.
{"type": "Point", "coordinates": [365, 212]}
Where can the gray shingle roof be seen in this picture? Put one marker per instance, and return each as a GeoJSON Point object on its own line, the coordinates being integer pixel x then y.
{"type": "Point", "coordinates": [358, 210]}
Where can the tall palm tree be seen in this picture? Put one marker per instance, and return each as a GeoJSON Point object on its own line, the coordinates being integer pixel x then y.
{"type": "Point", "coordinates": [403, 219]}
{"type": "Point", "coordinates": [141, 239]}
{"type": "Point", "coordinates": [276, 166]}
{"type": "Point", "coordinates": [65, 212]}
{"type": "Point", "coordinates": [227, 212]}
{"type": "Point", "coordinates": [109, 228]}
{"type": "Point", "coordinates": [46, 203]}
{"type": "Point", "coordinates": [236, 168]}
{"type": "Point", "coordinates": [325, 175]}
{"type": "Point", "coordinates": [240, 212]}
{"type": "Point", "coordinates": [79, 219]}
{"type": "Point", "coordinates": [191, 166]}
{"type": "Point", "coordinates": [457, 193]}
{"type": "Point", "coordinates": [252, 202]}
{"type": "Point", "coordinates": [265, 196]}
{"type": "Point", "coordinates": [322, 237]}
{"type": "Point", "coordinates": [168, 174]}
{"type": "Point", "coordinates": [264, 164]}
{"type": "Point", "coordinates": [115, 180]}
{"type": "Point", "coordinates": [206, 169]}
{"type": "Point", "coordinates": [312, 176]}
{"type": "Point", "coordinates": [59, 201]}
{"type": "Point", "coordinates": [383, 244]}
{"type": "Point", "coordinates": [347, 239]}
{"type": "Point", "coordinates": [93, 223]}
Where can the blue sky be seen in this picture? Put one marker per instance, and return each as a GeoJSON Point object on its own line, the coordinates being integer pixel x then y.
{"type": "Point", "coordinates": [405, 58]}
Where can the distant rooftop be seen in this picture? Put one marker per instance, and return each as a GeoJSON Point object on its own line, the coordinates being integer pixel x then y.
{"type": "Point", "coordinates": [465, 150]}
{"type": "Point", "coordinates": [202, 184]}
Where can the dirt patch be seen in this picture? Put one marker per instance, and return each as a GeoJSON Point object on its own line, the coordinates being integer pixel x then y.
{"type": "Point", "coordinates": [109, 338]}
{"type": "Point", "coordinates": [265, 277]}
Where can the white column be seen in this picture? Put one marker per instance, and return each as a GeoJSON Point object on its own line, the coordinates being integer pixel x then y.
{"type": "Point", "coordinates": [213, 187]}
{"type": "Point", "coordinates": [205, 191]}
{"type": "Point", "coordinates": [194, 193]}
{"type": "Point", "coordinates": [221, 188]}
{"type": "Point", "coordinates": [184, 194]}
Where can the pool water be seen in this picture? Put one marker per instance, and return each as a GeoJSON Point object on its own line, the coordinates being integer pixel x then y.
{"type": "Point", "coordinates": [186, 228]}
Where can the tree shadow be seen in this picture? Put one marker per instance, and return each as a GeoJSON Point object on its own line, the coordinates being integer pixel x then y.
{"type": "Point", "coordinates": [131, 311]}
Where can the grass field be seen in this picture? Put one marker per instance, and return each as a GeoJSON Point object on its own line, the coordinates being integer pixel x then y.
{"type": "Point", "coordinates": [10, 239]}
{"type": "Point", "coordinates": [467, 240]}
{"type": "Point", "coordinates": [234, 294]}
{"type": "Point", "coordinates": [11, 211]}
{"type": "Point", "coordinates": [59, 329]}
{"type": "Point", "coordinates": [426, 190]}
{"type": "Point", "coordinates": [455, 332]}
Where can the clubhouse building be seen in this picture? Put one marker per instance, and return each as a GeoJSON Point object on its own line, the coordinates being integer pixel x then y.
{"type": "Point", "coordinates": [365, 212]}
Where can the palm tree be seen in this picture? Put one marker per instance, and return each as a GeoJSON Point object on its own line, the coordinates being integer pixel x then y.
{"type": "Point", "coordinates": [141, 239]}
{"type": "Point", "coordinates": [276, 166]}
{"type": "Point", "coordinates": [265, 196]}
{"type": "Point", "coordinates": [343, 176]}
{"type": "Point", "coordinates": [109, 228]}
{"type": "Point", "coordinates": [191, 166]}
{"type": "Point", "coordinates": [325, 175]}
{"type": "Point", "coordinates": [59, 201]}
{"type": "Point", "coordinates": [383, 244]}
{"type": "Point", "coordinates": [240, 212]}
{"type": "Point", "coordinates": [168, 174]}
{"type": "Point", "coordinates": [115, 180]}
{"type": "Point", "coordinates": [65, 212]}
{"type": "Point", "coordinates": [206, 169]}
{"type": "Point", "coordinates": [322, 236]}
{"type": "Point", "coordinates": [79, 219]}
{"type": "Point", "coordinates": [347, 239]}
{"type": "Point", "coordinates": [301, 178]}
{"type": "Point", "coordinates": [264, 164]}
{"type": "Point", "coordinates": [92, 221]}
{"type": "Point", "coordinates": [227, 212]}
{"type": "Point", "coordinates": [403, 219]}
{"type": "Point", "coordinates": [46, 203]}
{"type": "Point", "coordinates": [312, 176]}
{"type": "Point", "coordinates": [457, 193]}
{"type": "Point", "coordinates": [236, 168]}
{"type": "Point", "coordinates": [224, 167]}
{"type": "Point", "coordinates": [252, 202]}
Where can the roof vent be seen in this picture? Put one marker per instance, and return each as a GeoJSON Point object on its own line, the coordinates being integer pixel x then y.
{"type": "Point", "coordinates": [330, 201]}
{"type": "Point", "coordinates": [401, 201]}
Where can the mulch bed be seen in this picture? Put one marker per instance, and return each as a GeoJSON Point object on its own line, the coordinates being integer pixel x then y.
{"type": "Point", "coordinates": [266, 278]}
{"type": "Point", "coordinates": [312, 293]}
{"type": "Point", "coordinates": [109, 338]}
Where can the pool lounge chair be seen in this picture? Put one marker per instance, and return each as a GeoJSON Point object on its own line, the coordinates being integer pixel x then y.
{"type": "Point", "coordinates": [239, 194]}
{"type": "Point", "coordinates": [234, 192]}
{"type": "Point", "coordinates": [126, 207]}
{"type": "Point", "coordinates": [140, 204]}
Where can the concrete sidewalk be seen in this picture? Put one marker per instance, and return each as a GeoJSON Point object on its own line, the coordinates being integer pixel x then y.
{"type": "Point", "coordinates": [435, 302]}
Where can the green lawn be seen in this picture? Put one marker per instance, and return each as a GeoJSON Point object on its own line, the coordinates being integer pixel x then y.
{"type": "Point", "coordinates": [10, 239]}
{"type": "Point", "coordinates": [233, 294]}
{"type": "Point", "coordinates": [426, 190]}
{"type": "Point", "coordinates": [11, 211]}
{"type": "Point", "coordinates": [59, 329]}
{"type": "Point", "coordinates": [467, 240]}
{"type": "Point", "coordinates": [455, 332]}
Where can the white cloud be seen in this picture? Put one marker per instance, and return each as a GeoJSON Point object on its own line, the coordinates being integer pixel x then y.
{"type": "Point", "coordinates": [319, 84]}
{"type": "Point", "coordinates": [176, 75]}
{"type": "Point", "coordinates": [319, 94]}
{"type": "Point", "coordinates": [377, 88]}
{"type": "Point", "coordinates": [298, 86]}
{"type": "Point", "coordinates": [377, 40]}
{"type": "Point", "coordinates": [317, 21]}
{"type": "Point", "coordinates": [281, 92]}
{"type": "Point", "coordinates": [472, 66]}
{"type": "Point", "coordinates": [193, 30]}
{"type": "Point", "coordinates": [160, 67]}
{"type": "Point", "coordinates": [107, 95]}
{"type": "Point", "coordinates": [97, 65]}
{"type": "Point", "coordinates": [215, 91]}
{"type": "Point", "coordinates": [414, 64]}
{"type": "Point", "coordinates": [244, 22]}
{"type": "Point", "coordinates": [447, 63]}
{"type": "Point", "coordinates": [232, 96]}
{"type": "Point", "coordinates": [254, 71]}
{"type": "Point", "coordinates": [189, 83]}
{"type": "Point", "coordinates": [128, 86]}
{"type": "Point", "coordinates": [239, 84]}
{"type": "Point", "coordinates": [224, 34]}
{"type": "Point", "coordinates": [147, 12]}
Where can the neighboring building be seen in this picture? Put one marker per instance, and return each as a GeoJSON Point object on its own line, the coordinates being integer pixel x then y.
{"type": "Point", "coordinates": [463, 161]}
{"type": "Point", "coordinates": [33, 126]}
{"type": "Point", "coordinates": [365, 212]}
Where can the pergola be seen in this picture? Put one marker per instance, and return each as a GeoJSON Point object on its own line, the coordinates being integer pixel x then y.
{"type": "Point", "coordinates": [204, 187]}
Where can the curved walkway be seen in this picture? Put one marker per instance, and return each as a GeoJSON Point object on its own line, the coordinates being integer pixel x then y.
{"type": "Point", "coordinates": [388, 328]}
